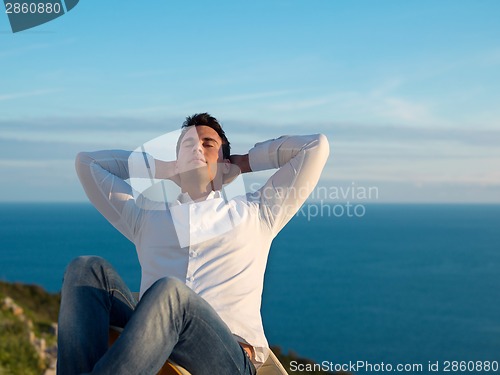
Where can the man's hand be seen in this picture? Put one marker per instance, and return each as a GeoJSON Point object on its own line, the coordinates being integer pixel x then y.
{"type": "Point", "coordinates": [242, 162]}
{"type": "Point", "coordinates": [165, 170]}
{"type": "Point", "coordinates": [239, 164]}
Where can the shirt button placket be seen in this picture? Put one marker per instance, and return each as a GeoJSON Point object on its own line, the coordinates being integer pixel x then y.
{"type": "Point", "coordinates": [190, 270]}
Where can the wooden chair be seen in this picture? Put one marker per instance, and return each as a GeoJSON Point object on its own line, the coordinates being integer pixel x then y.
{"type": "Point", "coordinates": [271, 367]}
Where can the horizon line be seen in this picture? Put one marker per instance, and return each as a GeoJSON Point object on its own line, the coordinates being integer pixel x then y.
{"type": "Point", "coordinates": [305, 203]}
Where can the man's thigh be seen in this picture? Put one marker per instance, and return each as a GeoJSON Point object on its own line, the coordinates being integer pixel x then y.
{"type": "Point", "coordinates": [205, 343]}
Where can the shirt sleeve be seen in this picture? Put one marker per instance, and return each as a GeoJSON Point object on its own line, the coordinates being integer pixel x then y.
{"type": "Point", "coordinates": [103, 175]}
{"type": "Point", "coordinates": [300, 160]}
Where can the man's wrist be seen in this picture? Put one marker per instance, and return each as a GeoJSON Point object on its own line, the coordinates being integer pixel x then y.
{"type": "Point", "coordinates": [242, 161]}
{"type": "Point", "coordinates": [164, 169]}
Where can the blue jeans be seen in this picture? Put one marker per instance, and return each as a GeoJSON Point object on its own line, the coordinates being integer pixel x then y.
{"type": "Point", "coordinates": [170, 321]}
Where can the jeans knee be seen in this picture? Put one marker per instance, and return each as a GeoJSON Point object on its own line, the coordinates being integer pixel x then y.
{"type": "Point", "coordinates": [80, 268]}
{"type": "Point", "coordinates": [84, 262]}
{"type": "Point", "coordinates": [172, 289]}
{"type": "Point", "coordinates": [169, 284]}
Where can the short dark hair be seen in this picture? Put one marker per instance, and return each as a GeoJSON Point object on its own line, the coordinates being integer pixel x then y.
{"type": "Point", "coordinates": [199, 119]}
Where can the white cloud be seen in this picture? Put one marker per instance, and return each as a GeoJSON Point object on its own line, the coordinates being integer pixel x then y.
{"type": "Point", "coordinates": [411, 155]}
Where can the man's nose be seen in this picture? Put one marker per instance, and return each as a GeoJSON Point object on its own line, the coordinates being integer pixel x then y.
{"type": "Point", "coordinates": [197, 148]}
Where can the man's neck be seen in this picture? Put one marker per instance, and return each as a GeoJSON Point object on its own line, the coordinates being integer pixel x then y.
{"type": "Point", "coordinates": [197, 196]}
{"type": "Point", "coordinates": [198, 192]}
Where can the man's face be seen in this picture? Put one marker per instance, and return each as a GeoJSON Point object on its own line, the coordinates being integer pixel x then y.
{"type": "Point", "coordinates": [199, 152]}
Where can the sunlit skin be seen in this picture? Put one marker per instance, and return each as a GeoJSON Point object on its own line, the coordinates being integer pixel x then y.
{"type": "Point", "coordinates": [201, 168]}
{"type": "Point", "coordinates": [200, 165]}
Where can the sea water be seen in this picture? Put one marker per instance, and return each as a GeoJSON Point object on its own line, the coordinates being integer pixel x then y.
{"type": "Point", "coordinates": [398, 284]}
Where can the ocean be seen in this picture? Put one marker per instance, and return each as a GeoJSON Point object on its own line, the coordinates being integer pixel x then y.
{"type": "Point", "coordinates": [400, 284]}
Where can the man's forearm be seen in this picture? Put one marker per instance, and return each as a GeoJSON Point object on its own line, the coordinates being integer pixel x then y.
{"type": "Point", "coordinates": [242, 162]}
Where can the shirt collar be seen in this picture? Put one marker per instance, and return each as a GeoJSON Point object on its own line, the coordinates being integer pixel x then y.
{"type": "Point", "coordinates": [184, 198]}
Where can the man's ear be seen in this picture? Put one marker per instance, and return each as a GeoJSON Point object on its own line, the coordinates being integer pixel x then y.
{"type": "Point", "coordinates": [226, 166]}
{"type": "Point", "coordinates": [229, 171]}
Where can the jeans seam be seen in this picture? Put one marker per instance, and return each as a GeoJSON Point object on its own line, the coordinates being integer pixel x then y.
{"type": "Point", "coordinates": [124, 297]}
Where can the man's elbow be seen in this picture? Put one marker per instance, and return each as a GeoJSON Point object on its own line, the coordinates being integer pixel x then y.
{"type": "Point", "coordinates": [323, 146]}
{"type": "Point", "coordinates": [82, 160]}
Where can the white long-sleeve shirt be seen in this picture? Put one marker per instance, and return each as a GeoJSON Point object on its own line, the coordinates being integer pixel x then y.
{"type": "Point", "coordinates": [219, 246]}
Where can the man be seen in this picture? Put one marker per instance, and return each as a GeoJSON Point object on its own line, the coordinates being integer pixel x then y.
{"type": "Point", "coordinates": [202, 256]}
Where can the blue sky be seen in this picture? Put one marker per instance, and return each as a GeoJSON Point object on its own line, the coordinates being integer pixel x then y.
{"type": "Point", "coordinates": [406, 91]}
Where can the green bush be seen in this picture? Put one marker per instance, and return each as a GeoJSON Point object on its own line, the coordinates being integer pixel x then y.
{"type": "Point", "coordinates": [17, 355]}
